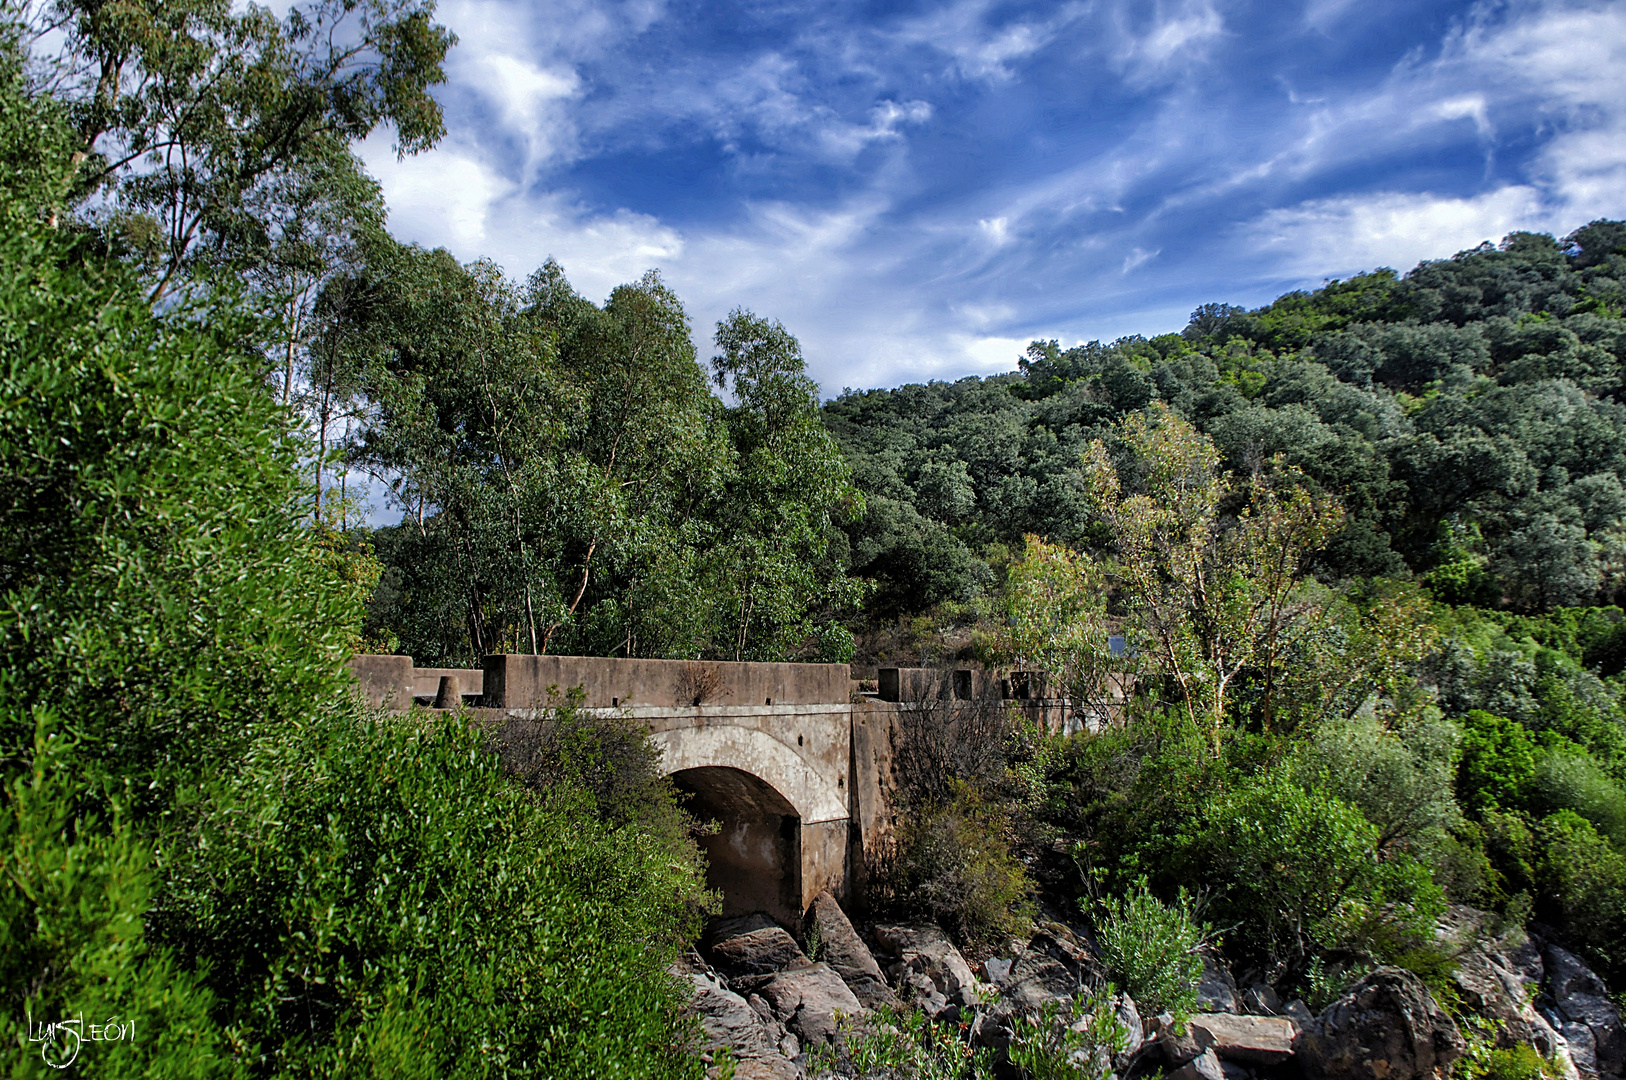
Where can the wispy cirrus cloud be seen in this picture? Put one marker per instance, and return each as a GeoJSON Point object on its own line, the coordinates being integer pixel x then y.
{"type": "Point", "coordinates": [917, 194]}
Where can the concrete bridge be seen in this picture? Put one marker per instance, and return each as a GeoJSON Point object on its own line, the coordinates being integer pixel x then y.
{"type": "Point", "coordinates": [789, 759]}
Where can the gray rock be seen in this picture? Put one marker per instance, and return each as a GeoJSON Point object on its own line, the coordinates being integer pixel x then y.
{"type": "Point", "coordinates": [1128, 1014]}
{"type": "Point", "coordinates": [1298, 1012]}
{"type": "Point", "coordinates": [841, 948]}
{"type": "Point", "coordinates": [1387, 1027]}
{"type": "Point", "coordinates": [1582, 1001]}
{"type": "Point", "coordinates": [928, 950]}
{"type": "Point", "coordinates": [1180, 1043]}
{"type": "Point", "coordinates": [918, 990]}
{"type": "Point", "coordinates": [1261, 1000]}
{"type": "Point", "coordinates": [751, 945]}
{"type": "Point", "coordinates": [997, 970]}
{"type": "Point", "coordinates": [809, 1000]}
{"type": "Point", "coordinates": [727, 1020]}
{"type": "Point", "coordinates": [1583, 1047]}
{"type": "Point", "coordinates": [1035, 979]}
{"type": "Point", "coordinates": [1055, 963]}
{"type": "Point", "coordinates": [1216, 993]}
{"type": "Point", "coordinates": [1251, 1040]}
{"type": "Point", "coordinates": [1204, 1066]}
{"type": "Point", "coordinates": [1235, 1070]}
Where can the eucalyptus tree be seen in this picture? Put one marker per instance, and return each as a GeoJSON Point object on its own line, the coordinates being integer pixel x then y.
{"type": "Point", "coordinates": [570, 482]}
{"type": "Point", "coordinates": [791, 489]}
{"type": "Point", "coordinates": [189, 115]}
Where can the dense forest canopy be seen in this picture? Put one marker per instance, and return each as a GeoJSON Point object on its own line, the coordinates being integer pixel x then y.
{"type": "Point", "coordinates": [1468, 415]}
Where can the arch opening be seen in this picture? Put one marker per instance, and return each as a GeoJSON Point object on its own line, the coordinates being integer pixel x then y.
{"type": "Point", "coordinates": [754, 859]}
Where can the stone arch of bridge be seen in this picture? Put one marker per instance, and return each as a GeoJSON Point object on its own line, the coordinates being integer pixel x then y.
{"type": "Point", "coordinates": [814, 797]}
{"type": "Point", "coordinates": [761, 794]}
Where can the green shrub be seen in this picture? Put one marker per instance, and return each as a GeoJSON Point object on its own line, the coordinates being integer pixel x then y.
{"type": "Point", "coordinates": [952, 864]}
{"type": "Point", "coordinates": [1516, 1063]}
{"type": "Point", "coordinates": [894, 1044]}
{"type": "Point", "coordinates": [1583, 889]}
{"type": "Point", "coordinates": [1072, 1041]}
{"type": "Point", "coordinates": [1295, 871]}
{"type": "Point", "coordinates": [393, 893]}
{"type": "Point", "coordinates": [1401, 779]}
{"type": "Point", "coordinates": [1324, 984]}
{"type": "Point", "coordinates": [1498, 763]}
{"type": "Point", "coordinates": [1152, 950]}
{"type": "Point", "coordinates": [1573, 781]}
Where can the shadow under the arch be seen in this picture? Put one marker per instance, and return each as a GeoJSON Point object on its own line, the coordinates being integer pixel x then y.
{"type": "Point", "coordinates": [754, 858]}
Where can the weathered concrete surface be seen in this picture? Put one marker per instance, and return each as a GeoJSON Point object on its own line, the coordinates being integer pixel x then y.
{"type": "Point", "coordinates": [776, 779]}
{"type": "Point", "coordinates": [386, 681]}
{"type": "Point", "coordinates": [391, 682]}
{"type": "Point", "coordinates": [871, 784]}
{"type": "Point", "coordinates": [802, 752]}
{"type": "Point", "coordinates": [426, 680]}
{"type": "Point", "coordinates": [521, 682]}
{"type": "Point", "coordinates": [934, 684]}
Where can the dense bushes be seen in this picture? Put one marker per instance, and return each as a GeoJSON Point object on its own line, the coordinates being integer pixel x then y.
{"type": "Point", "coordinates": [202, 830]}
{"type": "Point", "coordinates": [952, 865]}
{"type": "Point", "coordinates": [392, 905]}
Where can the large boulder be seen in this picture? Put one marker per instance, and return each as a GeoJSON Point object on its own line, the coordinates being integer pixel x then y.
{"type": "Point", "coordinates": [1055, 963]}
{"type": "Point", "coordinates": [1492, 978]}
{"type": "Point", "coordinates": [1251, 1040]}
{"type": "Point", "coordinates": [1034, 979]}
{"type": "Point", "coordinates": [727, 1022]}
{"type": "Point", "coordinates": [751, 945]}
{"type": "Point", "coordinates": [1588, 1019]}
{"type": "Point", "coordinates": [926, 950]}
{"type": "Point", "coordinates": [810, 1000]}
{"type": "Point", "coordinates": [841, 948]}
{"type": "Point", "coordinates": [1387, 1027]}
{"type": "Point", "coordinates": [1178, 1043]}
{"type": "Point", "coordinates": [1205, 1066]}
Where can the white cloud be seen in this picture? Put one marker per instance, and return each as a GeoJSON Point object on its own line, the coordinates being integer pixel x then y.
{"type": "Point", "coordinates": [845, 140]}
{"type": "Point", "coordinates": [1358, 232]}
{"type": "Point", "coordinates": [526, 97]}
{"type": "Point", "coordinates": [1467, 107]}
{"type": "Point", "coordinates": [1137, 256]}
{"type": "Point", "coordinates": [998, 230]}
{"type": "Point", "coordinates": [979, 50]}
{"type": "Point", "coordinates": [440, 198]}
{"type": "Point", "coordinates": [1176, 34]}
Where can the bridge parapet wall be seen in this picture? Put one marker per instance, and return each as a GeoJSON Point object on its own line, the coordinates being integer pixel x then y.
{"type": "Point", "coordinates": [523, 682]}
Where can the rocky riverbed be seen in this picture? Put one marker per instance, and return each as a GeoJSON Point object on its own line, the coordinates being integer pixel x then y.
{"type": "Point", "coordinates": [767, 1005]}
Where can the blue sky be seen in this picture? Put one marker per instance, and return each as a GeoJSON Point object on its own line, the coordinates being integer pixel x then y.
{"type": "Point", "coordinates": [919, 189]}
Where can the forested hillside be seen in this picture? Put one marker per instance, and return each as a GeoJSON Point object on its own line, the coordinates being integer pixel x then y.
{"type": "Point", "coordinates": [1468, 415]}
